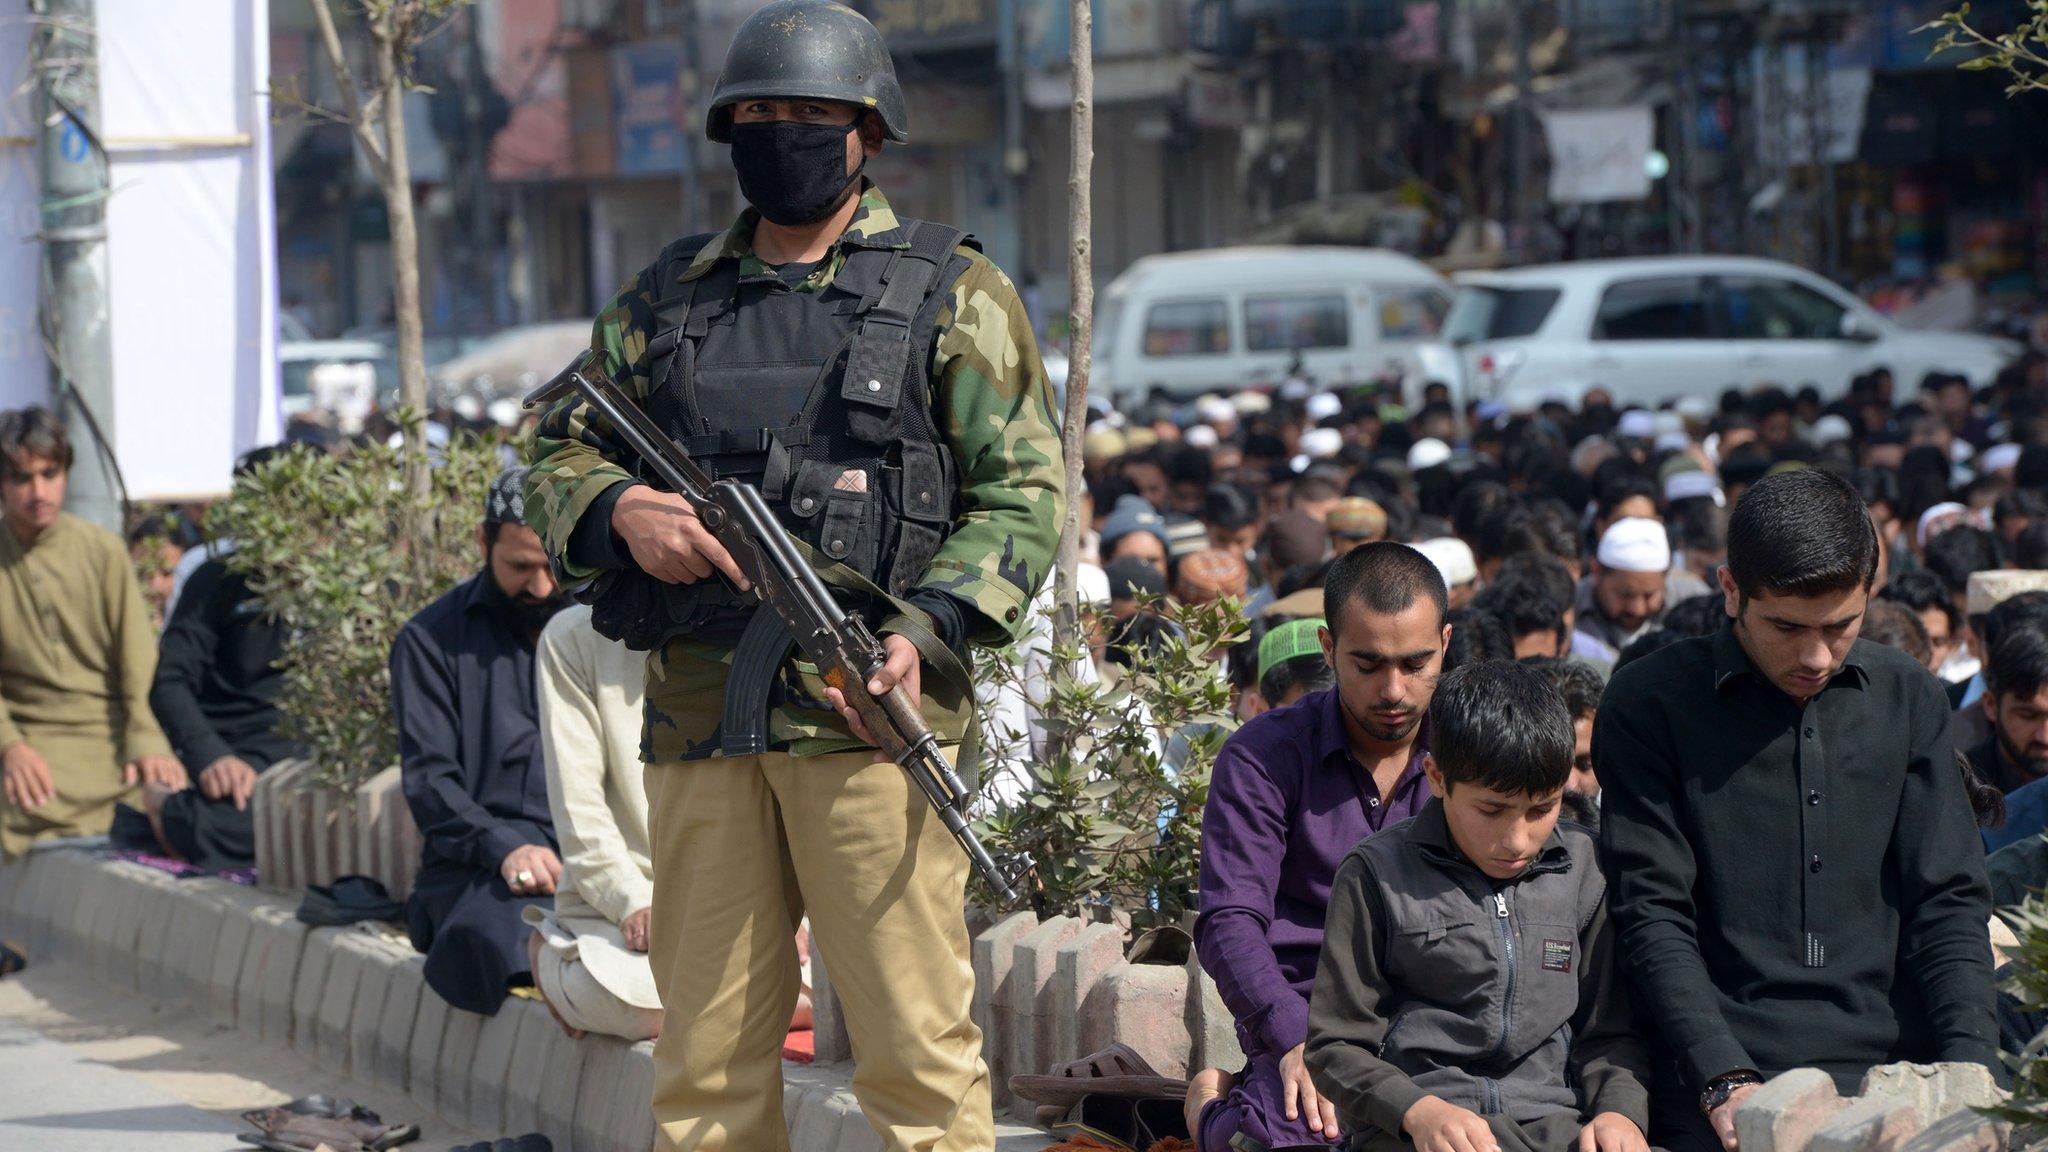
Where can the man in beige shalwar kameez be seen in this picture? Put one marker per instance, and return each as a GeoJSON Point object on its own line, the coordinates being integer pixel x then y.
{"type": "Point", "coordinates": [77, 654]}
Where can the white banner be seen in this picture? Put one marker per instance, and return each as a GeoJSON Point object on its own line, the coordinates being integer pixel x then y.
{"type": "Point", "coordinates": [191, 239]}
{"type": "Point", "coordinates": [1598, 155]}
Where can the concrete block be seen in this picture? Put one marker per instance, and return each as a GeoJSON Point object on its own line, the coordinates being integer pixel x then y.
{"type": "Point", "coordinates": [272, 818]}
{"type": "Point", "coordinates": [598, 1098]}
{"type": "Point", "coordinates": [195, 931]}
{"type": "Point", "coordinates": [817, 1123]}
{"type": "Point", "coordinates": [1033, 964]}
{"type": "Point", "coordinates": [1211, 1027]}
{"type": "Point", "coordinates": [452, 1064]}
{"type": "Point", "coordinates": [490, 1072]}
{"type": "Point", "coordinates": [855, 1133]}
{"type": "Point", "coordinates": [70, 874]}
{"type": "Point", "coordinates": [1961, 1132]}
{"type": "Point", "coordinates": [1935, 1089]}
{"type": "Point", "coordinates": [32, 902]}
{"type": "Point", "coordinates": [153, 944]}
{"type": "Point", "coordinates": [220, 983]}
{"type": "Point", "coordinates": [830, 1041]}
{"type": "Point", "coordinates": [423, 1061]}
{"type": "Point", "coordinates": [334, 1019]}
{"type": "Point", "coordinates": [1868, 1124]}
{"type": "Point", "coordinates": [632, 1122]}
{"type": "Point", "coordinates": [1783, 1115]}
{"type": "Point", "coordinates": [108, 892]}
{"type": "Point", "coordinates": [373, 987]}
{"type": "Point", "coordinates": [561, 1080]}
{"type": "Point", "coordinates": [308, 990]}
{"type": "Point", "coordinates": [994, 953]}
{"type": "Point", "coordinates": [113, 956]}
{"type": "Point", "coordinates": [1146, 1007]}
{"type": "Point", "coordinates": [12, 873]}
{"type": "Point", "coordinates": [390, 1063]}
{"type": "Point", "coordinates": [270, 974]}
{"type": "Point", "coordinates": [387, 842]}
{"type": "Point", "coordinates": [1078, 968]}
{"type": "Point", "coordinates": [529, 1071]}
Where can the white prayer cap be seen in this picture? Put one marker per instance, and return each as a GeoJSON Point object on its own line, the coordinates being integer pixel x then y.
{"type": "Point", "coordinates": [1673, 441]}
{"type": "Point", "coordinates": [1323, 405]}
{"type": "Point", "coordinates": [1637, 424]}
{"type": "Point", "coordinates": [1829, 429]}
{"type": "Point", "coordinates": [1691, 485]}
{"type": "Point", "coordinates": [1998, 458]}
{"type": "Point", "coordinates": [1693, 407]}
{"type": "Point", "coordinates": [1321, 443]}
{"type": "Point", "coordinates": [1200, 436]}
{"type": "Point", "coordinates": [1427, 452]}
{"type": "Point", "coordinates": [1635, 544]}
{"type": "Point", "coordinates": [1668, 422]}
{"type": "Point", "coordinates": [1249, 403]}
{"type": "Point", "coordinates": [1960, 451]}
{"type": "Point", "coordinates": [1938, 519]}
{"type": "Point", "coordinates": [1294, 391]}
{"type": "Point", "coordinates": [1453, 560]}
{"type": "Point", "coordinates": [1215, 410]}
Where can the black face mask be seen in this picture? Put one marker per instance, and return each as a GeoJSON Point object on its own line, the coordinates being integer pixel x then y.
{"type": "Point", "coordinates": [793, 174]}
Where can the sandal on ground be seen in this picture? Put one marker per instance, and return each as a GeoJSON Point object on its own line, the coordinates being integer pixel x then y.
{"type": "Point", "coordinates": [315, 1122]}
{"type": "Point", "coordinates": [1117, 1070]}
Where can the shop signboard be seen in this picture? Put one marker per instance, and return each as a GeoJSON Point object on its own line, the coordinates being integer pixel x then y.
{"type": "Point", "coordinates": [933, 25]}
{"type": "Point", "coordinates": [647, 104]}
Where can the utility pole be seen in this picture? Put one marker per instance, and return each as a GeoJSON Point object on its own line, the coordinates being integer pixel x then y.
{"type": "Point", "coordinates": [691, 18]}
{"type": "Point", "coordinates": [77, 332]}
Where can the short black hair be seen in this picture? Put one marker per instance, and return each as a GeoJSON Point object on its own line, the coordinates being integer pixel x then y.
{"type": "Point", "coordinates": [1475, 502]}
{"type": "Point", "coordinates": [1303, 673]}
{"type": "Point", "coordinates": [1955, 554]}
{"type": "Point", "coordinates": [1877, 486]}
{"type": "Point", "coordinates": [1229, 507]}
{"type": "Point", "coordinates": [1801, 533]}
{"type": "Point", "coordinates": [34, 431]}
{"type": "Point", "coordinates": [1920, 590]}
{"type": "Point", "coordinates": [1626, 484]}
{"type": "Point", "coordinates": [1576, 681]}
{"type": "Point", "coordinates": [2019, 661]}
{"type": "Point", "coordinates": [1701, 524]}
{"type": "Point", "coordinates": [2030, 549]}
{"type": "Point", "coordinates": [1699, 615]}
{"type": "Point", "coordinates": [1502, 726]}
{"type": "Point", "coordinates": [2020, 503]}
{"type": "Point", "coordinates": [1476, 635]}
{"type": "Point", "coordinates": [1524, 604]}
{"type": "Point", "coordinates": [1894, 625]}
{"type": "Point", "coordinates": [1520, 528]}
{"type": "Point", "coordinates": [1189, 466]}
{"type": "Point", "coordinates": [2025, 609]}
{"type": "Point", "coordinates": [1387, 577]}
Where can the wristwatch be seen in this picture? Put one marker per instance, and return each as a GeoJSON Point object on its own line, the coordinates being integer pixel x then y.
{"type": "Point", "coordinates": [1721, 1087]}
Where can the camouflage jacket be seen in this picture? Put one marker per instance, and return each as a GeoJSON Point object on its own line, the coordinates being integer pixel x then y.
{"type": "Point", "coordinates": [991, 401]}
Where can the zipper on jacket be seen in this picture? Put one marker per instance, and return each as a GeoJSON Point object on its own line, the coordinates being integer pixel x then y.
{"type": "Point", "coordinates": [1492, 1105]}
{"type": "Point", "coordinates": [1507, 940]}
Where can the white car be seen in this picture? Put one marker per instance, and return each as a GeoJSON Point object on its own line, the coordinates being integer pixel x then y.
{"type": "Point", "coordinates": [1654, 329]}
{"type": "Point", "coordinates": [1225, 319]}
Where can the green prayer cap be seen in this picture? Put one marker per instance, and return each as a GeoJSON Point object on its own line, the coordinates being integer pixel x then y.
{"type": "Point", "coordinates": [1289, 640]}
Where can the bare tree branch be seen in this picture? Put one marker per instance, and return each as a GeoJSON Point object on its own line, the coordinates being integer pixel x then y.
{"type": "Point", "coordinates": [351, 102]}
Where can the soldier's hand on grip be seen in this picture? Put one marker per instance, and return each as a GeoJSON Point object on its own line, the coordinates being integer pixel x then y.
{"type": "Point", "coordinates": [667, 539]}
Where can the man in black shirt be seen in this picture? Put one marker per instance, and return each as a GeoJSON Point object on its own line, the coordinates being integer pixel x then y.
{"type": "Point", "coordinates": [462, 690]}
{"type": "Point", "coordinates": [215, 695]}
{"type": "Point", "coordinates": [1797, 877]}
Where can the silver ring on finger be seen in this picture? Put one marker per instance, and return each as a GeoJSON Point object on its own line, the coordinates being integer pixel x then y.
{"type": "Point", "coordinates": [522, 879]}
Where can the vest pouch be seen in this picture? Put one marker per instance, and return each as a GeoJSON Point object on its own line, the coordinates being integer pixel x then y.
{"type": "Point", "coordinates": [744, 396]}
{"type": "Point", "coordinates": [873, 384]}
{"type": "Point", "coordinates": [832, 506]}
{"type": "Point", "coordinates": [920, 494]}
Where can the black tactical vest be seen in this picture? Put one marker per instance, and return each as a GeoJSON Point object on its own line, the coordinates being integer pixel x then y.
{"type": "Point", "coordinates": [822, 400]}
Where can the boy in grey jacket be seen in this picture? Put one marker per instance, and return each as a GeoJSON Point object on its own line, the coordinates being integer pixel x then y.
{"type": "Point", "coordinates": [1467, 996]}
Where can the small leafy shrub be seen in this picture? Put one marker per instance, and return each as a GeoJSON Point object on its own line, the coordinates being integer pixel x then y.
{"type": "Point", "coordinates": [1113, 815]}
{"type": "Point", "coordinates": [318, 538]}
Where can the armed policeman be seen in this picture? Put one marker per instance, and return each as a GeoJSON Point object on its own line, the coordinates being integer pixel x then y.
{"type": "Point", "coordinates": [877, 379]}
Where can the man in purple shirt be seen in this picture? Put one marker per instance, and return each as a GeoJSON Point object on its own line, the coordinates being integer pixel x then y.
{"type": "Point", "coordinates": [1291, 794]}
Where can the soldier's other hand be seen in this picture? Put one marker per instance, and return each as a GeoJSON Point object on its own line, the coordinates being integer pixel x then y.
{"type": "Point", "coordinates": [163, 771]}
{"type": "Point", "coordinates": [634, 929]}
{"type": "Point", "coordinates": [667, 539]}
{"type": "Point", "coordinates": [900, 666]}
{"type": "Point", "coordinates": [26, 776]}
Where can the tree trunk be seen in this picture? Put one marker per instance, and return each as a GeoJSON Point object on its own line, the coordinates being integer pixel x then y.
{"type": "Point", "coordinates": [1080, 316]}
{"type": "Point", "coordinates": [396, 179]}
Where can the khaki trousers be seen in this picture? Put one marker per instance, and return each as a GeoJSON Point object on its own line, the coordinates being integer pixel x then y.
{"type": "Point", "coordinates": [743, 847]}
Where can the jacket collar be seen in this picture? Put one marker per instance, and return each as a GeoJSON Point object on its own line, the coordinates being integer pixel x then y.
{"type": "Point", "coordinates": [1431, 833]}
{"type": "Point", "coordinates": [874, 225]}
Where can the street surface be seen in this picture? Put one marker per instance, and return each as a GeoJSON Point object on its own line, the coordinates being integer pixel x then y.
{"type": "Point", "coordinates": [84, 1069]}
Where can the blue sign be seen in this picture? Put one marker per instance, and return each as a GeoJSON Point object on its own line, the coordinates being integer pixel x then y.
{"type": "Point", "coordinates": [647, 109]}
{"type": "Point", "coordinates": [72, 143]}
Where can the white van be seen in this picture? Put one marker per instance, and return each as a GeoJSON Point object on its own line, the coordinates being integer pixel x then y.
{"type": "Point", "coordinates": [1224, 319]}
{"type": "Point", "coordinates": [1658, 328]}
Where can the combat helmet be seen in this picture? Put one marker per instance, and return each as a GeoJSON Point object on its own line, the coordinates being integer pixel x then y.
{"type": "Point", "coordinates": [808, 49]}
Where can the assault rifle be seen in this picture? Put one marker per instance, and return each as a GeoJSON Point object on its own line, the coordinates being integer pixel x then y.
{"type": "Point", "coordinates": [840, 643]}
